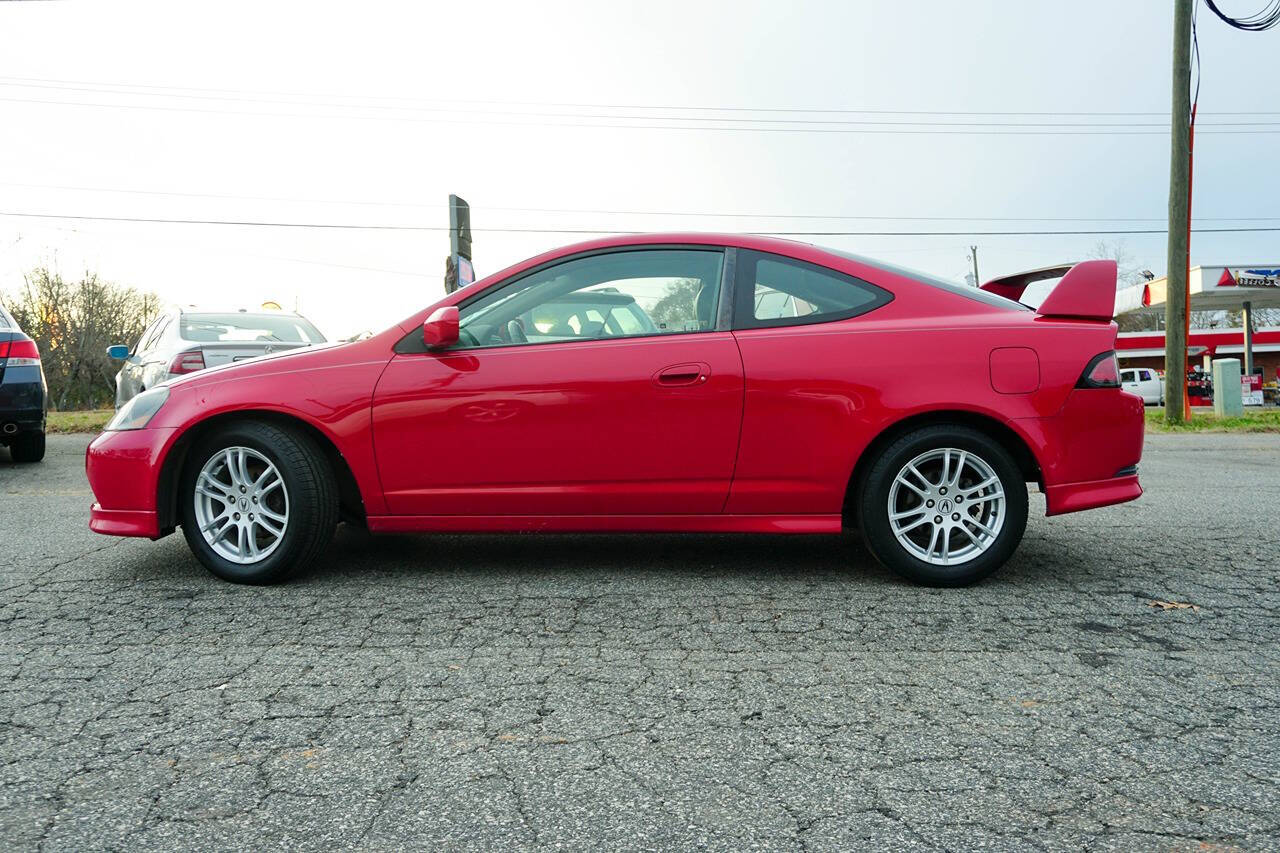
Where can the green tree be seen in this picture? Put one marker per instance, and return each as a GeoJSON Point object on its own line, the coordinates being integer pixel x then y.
{"type": "Point", "coordinates": [677, 308]}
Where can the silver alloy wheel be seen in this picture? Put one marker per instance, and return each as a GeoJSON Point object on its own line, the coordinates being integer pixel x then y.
{"type": "Point", "coordinates": [946, 506]}
{"type": "Point", "coordinates": [242, 505]}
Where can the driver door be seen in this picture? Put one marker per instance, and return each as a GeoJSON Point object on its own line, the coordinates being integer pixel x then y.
{"type": "Point", "coordinates": [600, 385]}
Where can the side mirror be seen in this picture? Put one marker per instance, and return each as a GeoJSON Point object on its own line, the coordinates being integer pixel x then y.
{"type": "Point", "coordinates": [441, 329]}
{"type": "Point", "coordinates": [118, 351]}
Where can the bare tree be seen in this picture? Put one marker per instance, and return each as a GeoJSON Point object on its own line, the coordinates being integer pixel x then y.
{"type": "Point", "coordinates": [73, 323]}
{"type": "Point", "coordinates": [1128, 274]}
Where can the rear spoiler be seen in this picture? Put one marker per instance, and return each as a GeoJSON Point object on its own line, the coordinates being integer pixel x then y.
{"type": "Point", "coordinates": [1087, 290]}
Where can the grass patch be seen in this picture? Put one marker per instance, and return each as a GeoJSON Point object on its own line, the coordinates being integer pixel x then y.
{"type": "Point", "coordinates": [1258, 420]}
{"type": "Point", "coordinates": [90, 421]}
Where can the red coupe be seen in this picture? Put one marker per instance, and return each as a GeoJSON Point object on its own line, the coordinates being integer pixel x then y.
{"type": "Point", "coordinates": [675, 382]}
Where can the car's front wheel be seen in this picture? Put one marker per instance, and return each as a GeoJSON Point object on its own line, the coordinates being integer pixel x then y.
{"type": "Point", "coordinates": [943, 505]}
{"type": "Point", "coordinates": [258, 502]}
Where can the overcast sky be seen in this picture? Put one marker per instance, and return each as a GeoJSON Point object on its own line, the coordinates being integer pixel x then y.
{"type": "Point", "coordinates": [366, 113]}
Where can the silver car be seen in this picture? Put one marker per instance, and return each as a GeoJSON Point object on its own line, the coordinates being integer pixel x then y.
{"type": "Point", "coordinates": [182, 340]}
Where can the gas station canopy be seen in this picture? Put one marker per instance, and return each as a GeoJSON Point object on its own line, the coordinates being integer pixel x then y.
{"type": "Point", "coordinates": [1213, 288]}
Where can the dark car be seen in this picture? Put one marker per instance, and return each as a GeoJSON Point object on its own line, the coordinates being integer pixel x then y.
{"type": "Point", "coordinates": [22, 393]}
{"type": "Point", "coordinates": [1199, 384]}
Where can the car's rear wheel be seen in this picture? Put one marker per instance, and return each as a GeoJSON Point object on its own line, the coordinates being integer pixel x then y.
{"type": "Point", "coordinates": [944, 505]}
{"type": "Point", "coordinates": [27, 447]}
{"type": "Point", "coordinates": [257, 502]}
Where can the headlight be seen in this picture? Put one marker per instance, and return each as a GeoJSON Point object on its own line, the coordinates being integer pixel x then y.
{"type": "Point", "coordinates": [139, 411]}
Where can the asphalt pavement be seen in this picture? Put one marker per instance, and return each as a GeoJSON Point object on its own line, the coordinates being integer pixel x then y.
{"type": "Point", "coordinates": [1116, 686]}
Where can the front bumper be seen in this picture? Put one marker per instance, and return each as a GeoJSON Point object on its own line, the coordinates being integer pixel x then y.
{"type": "Point", "coordinates": [124, 473]}
{"type": "Point", "coordinates": [124, 522]}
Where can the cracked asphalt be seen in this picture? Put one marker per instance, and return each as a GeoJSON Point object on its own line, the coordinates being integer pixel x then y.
{"type": "Point", "coordinates": [652, 692]}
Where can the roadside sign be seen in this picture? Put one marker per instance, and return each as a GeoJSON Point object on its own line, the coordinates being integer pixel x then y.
{"type": "Point", "coordinates": [458, 269]}
{"type": "Point", "coordinates": [1251, 389]}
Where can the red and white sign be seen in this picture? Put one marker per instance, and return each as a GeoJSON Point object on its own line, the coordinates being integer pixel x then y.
{"type": "Point", "coordinates": [1246, 277]}
{"type": "Point", "coordinates": [1251, 389]}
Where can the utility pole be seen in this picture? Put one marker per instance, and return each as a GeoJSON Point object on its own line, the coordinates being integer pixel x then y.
{"type": "Point", "coordinates": [973, 256]}
{"type": "Point", "coordinates": [1176, 409]}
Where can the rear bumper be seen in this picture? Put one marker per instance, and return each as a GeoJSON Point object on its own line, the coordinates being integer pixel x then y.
{"type": "Point", "coordinates": [1090, 450]}
{"type": "Point", "coordinates": [21, 401]}
{"type": "Point", "coordinates": [15, 422]}
{"type": "Point", "coordinates": [124, 522]}
{"type": "Point", "coordinates": [1074, 497]}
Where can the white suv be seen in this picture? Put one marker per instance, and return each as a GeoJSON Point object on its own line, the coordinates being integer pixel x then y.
{"type": "Point", "coordinates": [1144, 382]}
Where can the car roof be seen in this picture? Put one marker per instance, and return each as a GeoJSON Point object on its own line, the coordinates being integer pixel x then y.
{"type": "Point", "coordinates": [190, 311]}
{"type": "Point", "coordinates": [835, 259]}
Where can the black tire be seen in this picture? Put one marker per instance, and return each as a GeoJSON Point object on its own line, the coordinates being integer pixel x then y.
{"type": "Point", "coordinates": [874, 496]}
{"type": "Point", "coordinates": [27, 447]}
{"type": "Point", "coordinates": [312, 495]}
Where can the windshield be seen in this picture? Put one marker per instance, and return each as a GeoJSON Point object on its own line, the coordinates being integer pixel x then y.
{"type": "Point", "coordinates": [934, 281]}
{"type": "Point", "coordinates": [284, 328]}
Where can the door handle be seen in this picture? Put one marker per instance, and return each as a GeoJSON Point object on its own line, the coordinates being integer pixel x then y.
{"type": "Point", "coordinates": [693, 373]}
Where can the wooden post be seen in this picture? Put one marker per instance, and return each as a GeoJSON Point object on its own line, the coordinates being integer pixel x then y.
{"type": "Point", "coordinates": [1175, 332]}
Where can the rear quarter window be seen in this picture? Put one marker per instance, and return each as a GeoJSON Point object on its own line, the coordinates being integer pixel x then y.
{"type": "Point", "coordinates": [771, 290]}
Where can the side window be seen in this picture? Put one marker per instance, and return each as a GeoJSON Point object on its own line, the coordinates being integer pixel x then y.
{"type": "Point", "coordinates": [1126, 376]}
{"type": "Point", "coordinates": [620, 294]}
{"type": "Point", "coordinates": [156, 333]}
{"type": "Point", "coordinates": [775, 291]}
{"type": "Point", "coordinates": [144, 342]}
{"type": "Point", "coordinates": [1145, 375]}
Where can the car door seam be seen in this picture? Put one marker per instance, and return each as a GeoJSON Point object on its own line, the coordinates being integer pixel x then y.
{"type": "Point", "coordinates": [742, 416]}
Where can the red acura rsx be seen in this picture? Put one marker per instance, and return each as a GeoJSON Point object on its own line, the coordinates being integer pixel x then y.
{"type": "Point", "coordinates": [673, 382]}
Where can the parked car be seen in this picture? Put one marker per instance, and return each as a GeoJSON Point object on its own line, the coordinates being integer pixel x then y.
{"type": "Point", "coordinates": [1199, 385]}
{"type": "Point", "coordinates": [1144, 382]}
{"type": "Point", "coordinates": [732, 414]}
{"type": "Point", "coordinates": [22, 393]}
{"type": "Point", "coordinates": [184, 340]}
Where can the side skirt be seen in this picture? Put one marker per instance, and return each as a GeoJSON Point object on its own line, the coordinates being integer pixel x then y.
{"type": "Point", "coordinates": [606, 523]}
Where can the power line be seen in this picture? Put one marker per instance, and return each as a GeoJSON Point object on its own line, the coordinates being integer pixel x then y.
{"type": "Point", "coordinates": [626, 117]}
{"type": "Point", "coordinates": [672, 107]}
{"type": "Point", "coordinates": [940, 130]}
{"type": "Point", "coordinates": [1267, 18]}
{"type": "Point", "coordinates": [699, 123]}
{"type": "Point", "coordinates": [520, 230]}
{"type": "Point", "coordinates": [607, 212]}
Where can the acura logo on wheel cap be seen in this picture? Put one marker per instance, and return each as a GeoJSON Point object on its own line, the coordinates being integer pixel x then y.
{"type": "Point", "coordinates": [945, 507]}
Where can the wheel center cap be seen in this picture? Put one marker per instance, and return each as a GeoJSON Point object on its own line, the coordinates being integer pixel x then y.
{"type": "Point", "coordinates": [943, 507]}
{"type": "Point", "coordinates": [244, 504]}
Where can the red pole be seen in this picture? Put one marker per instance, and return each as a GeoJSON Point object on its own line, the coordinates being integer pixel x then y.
{"type": "Point", "coordinates": [1191, 144]}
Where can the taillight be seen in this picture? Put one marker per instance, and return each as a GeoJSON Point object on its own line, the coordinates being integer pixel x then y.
{"type": "Point", "coordinates": [187, 362]}
{"type": "Point", "coordinates": [1103, 372]}
{"type": "Point", "coordinates": [21, 352]}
